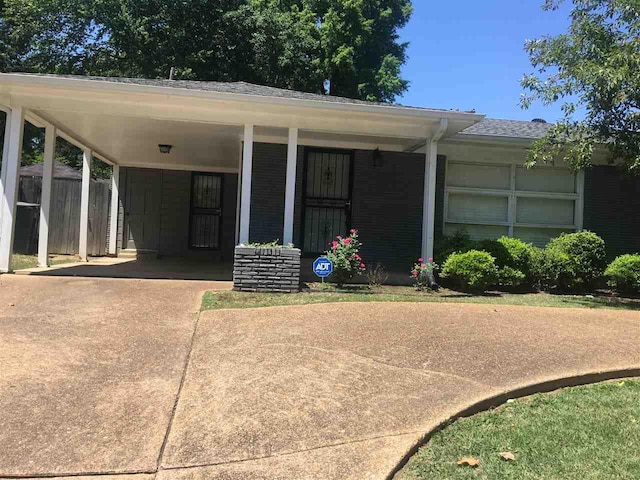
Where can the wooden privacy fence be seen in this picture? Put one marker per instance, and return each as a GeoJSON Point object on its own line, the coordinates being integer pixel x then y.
{"type": "Point", "coordinates": [64, 222]}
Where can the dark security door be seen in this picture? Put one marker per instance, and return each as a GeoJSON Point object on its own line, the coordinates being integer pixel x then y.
{"type": "Point", "coordinates": [327, 201]}
{"type": "Point", "coordinates": [206, 210]}
{"type": "Point", "coordinates": [142, 209]}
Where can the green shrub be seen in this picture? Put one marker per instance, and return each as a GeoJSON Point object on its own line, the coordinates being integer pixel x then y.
{"type": "Point", "coordinates": [513, 259]}
{"type": "Point", "coordinates": [459, 242]}
{"type": "Point", "coordinates": [623, 274]}
{"type": "Point", "coordinates": [574, 261]}
{"type": "Point", "coordinates": [346, 259]}
{"type": "Point", "coordinates": [473, 270]}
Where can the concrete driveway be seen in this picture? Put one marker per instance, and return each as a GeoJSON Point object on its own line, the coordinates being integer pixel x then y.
{"type": "Point", "coordinates": [338, 391]}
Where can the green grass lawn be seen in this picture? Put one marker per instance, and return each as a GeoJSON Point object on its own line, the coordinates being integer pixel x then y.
{"type": "Point", "coordinates": [319, 294]}
{"type": "Point", "coordinates": [20, 262]}
{"type": "Point", "coordinates": [583, 433]}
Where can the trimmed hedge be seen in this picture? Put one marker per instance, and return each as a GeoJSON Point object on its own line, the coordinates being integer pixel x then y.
{"type": "Point", "coordinates": [474, 270]}
{"type": "Point", "coordinates": [623, 274]}
{"type": "Point", "coordinates": [512, 256]}
{"type": "Point", "coordinates": [570, 262]}
{"type": "Point", "coordinates": [574, 261]}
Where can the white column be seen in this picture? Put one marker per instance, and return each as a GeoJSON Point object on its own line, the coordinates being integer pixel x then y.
{"type": "Point", "coordinates": [45, 199]}
{"type": "Point", "coordinates": [84, 204]}
{"type": "Point", "coordinates": [113, 213]}
{"type": "Point", "coordinates": [5, 155]}
{"type": "Point", "coordinates": [290, 191]}
{"type": "Point", "coordinates": [9, 199]}
{"type": "Point", "coordinates": [245, 200]}
{"type": "Point", "coordinates": [429, 202]}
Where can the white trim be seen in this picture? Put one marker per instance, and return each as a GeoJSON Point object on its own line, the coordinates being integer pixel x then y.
{"type": "Point", "coordinates": [10, 192]}
{"type": "Point", "coordinates": [579, 210]}
{"type": "Point", "coordinates": [5, 155]}
{"type": "Point", "coordinates": [45, 199]}
{"type": "Point", "coordinates": [238, 195]}
{"type": "Point", "coordinates": [245, 199]}
{"type": "Point", "coordinates": [429, 199]}
{"type": "Point", "coordinates": [114, 210]}
{"type": "Point", "coordinates": [84, 204]}
{"type": "Point", "coordinates": [180, 167]}
{"type": "Point", "coordinates": [512, 200]}
{"type": "Point", "coordinates": [107, 86]}
{"type": "Point", "coordinates": [290, 186]}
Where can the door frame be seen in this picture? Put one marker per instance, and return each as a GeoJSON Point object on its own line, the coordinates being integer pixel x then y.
{"type": "Point", "coordinates": [307, 151]}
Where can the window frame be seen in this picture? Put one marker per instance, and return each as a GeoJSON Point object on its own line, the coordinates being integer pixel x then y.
{"type": "Point", "coordinates": [512, 195]}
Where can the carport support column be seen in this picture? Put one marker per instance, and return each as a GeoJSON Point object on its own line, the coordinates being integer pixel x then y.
{"type": "Point", "coordinates": [245, 199]}
{"type": "Point", "coordinates": [113, 214]}
{"type": "Point", "coordinates": [290, 191]}
{"type": "Point", "coordinates": [84, 204]}
{"type": "Point", "coordinates": [45, 199]}
{"type": "Point", "coordinates": [12, 155]}
{"type": "Point", "coordinates": [5, 155]}
{"type": "Point", "coordinates": [429, 202]}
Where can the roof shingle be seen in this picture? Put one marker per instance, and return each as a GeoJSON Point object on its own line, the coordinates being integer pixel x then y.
{"type": "Point", "coordinates": [508, 128]}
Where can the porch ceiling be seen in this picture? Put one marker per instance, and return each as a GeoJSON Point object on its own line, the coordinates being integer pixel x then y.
{"type": "Point", "coordinates": [133, 141]}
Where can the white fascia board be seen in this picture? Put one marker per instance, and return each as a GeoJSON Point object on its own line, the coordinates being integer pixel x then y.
{"type": "Point", "coordinates": [180, 167]}
{"type": "Point", "coordinates": [42, 93]}
{"type": "Point", "coordinates": [322, 143]}
{"type": "Point", "coordinates": [414, 112]}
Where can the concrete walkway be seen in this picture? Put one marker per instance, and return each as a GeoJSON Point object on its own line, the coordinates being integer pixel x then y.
{"type": "Point", "coordinates": [337, 391]}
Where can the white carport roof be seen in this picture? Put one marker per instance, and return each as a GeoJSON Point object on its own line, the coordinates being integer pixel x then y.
{"type": "Point", "coordinates": [124, 120]}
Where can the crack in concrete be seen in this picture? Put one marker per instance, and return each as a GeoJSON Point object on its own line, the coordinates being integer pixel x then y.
{"type": "Point", "coordinates": [185, 369]}
{"type": "Point", "coordinates": [420, 371]}
{"type": "Point", "coordinates": [295, 452]}
{"type": "Point", "coordinates": [80, 474]}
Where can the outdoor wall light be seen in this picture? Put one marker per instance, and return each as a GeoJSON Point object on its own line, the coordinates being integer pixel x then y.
{"type": "Point", "coordinates": [165, 148]}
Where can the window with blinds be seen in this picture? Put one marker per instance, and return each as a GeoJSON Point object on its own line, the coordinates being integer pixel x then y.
{"type": "Point", "coordinates": [492, 200]}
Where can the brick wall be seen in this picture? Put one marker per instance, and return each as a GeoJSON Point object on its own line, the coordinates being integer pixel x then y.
{"type": "Point", "coordinates": [386, 207]}
{"type": "Point", "coordinates": [266, 269]}
{"type": "Point", "coordinates": [612, 209]}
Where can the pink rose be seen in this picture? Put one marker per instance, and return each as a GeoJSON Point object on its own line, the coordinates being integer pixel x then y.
{"type": "Point", "coordinates": [420, 260]}
{"type": "Point", "coordinates": [414, 273]}
{"type": "Point", "coordinates": [431, 259]}
{"type": "Point", "coordinates": [362, 265]}
{"type": "Point", "coordinates": [347, 241]}
{"type": "Point", "coordinates": [354, 231]}
{"type": "Point", "coordinates": [335, 245]}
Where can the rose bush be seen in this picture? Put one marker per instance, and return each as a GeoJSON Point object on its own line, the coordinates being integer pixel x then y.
{"type": "Point", "coordinates": [422, 273]}
{"type": "Point", "coordinates": [346, 259]}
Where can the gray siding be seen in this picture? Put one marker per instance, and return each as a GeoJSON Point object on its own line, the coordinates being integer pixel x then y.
{"type": "Point", "coordinates": [174, 217]}
{"type": "Point", "coordinates": [612, 209]}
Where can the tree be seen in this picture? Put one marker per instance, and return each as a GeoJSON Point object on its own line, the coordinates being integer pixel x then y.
{"type": "Point", "coordinates": [595, 66]}
{"type": "Point", "coordinates": [343, 47]}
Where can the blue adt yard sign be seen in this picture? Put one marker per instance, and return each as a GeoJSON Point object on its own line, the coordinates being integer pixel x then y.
{"type": "Point", "coordinates": [323, 267]}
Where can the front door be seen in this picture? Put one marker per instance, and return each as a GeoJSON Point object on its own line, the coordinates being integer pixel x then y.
{"type": "Point", "coordinates": [142, 209]}
{"type": "Point", "coordinates": [327, 201]}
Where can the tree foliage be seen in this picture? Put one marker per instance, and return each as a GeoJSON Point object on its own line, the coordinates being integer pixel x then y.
{"type": "Point", "coordinates": [594, 67]}
{"type": "Point", "coordinates": [343, 47]}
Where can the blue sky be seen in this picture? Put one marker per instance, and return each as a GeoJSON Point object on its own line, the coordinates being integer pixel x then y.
{"type": "Point", "coordinates": [467, 54]}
